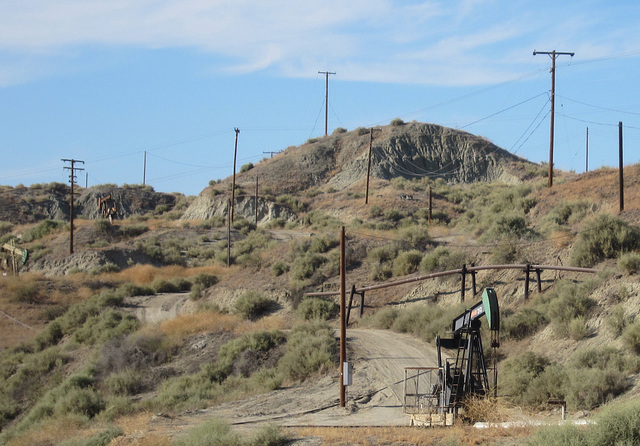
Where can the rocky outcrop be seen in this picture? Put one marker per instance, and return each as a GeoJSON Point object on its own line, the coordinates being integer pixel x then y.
{"type": "Point", "coordinates": [90, 260]}
{"type": "Point", "coordinates": [412, 150]}
{"type": "Point", "coordinates": [207, 206]}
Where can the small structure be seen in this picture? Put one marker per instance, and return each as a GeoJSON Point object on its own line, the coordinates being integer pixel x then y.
{"type": "Point", "coordinates": [433, 395]}
{"type": "Point", "coordinates": [14, 255]}
{"type": "Point", "coordinates": [108, 207]}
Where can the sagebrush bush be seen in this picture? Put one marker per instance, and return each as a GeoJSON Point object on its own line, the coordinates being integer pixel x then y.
{"type": "Point", "coordinates": [316, 308]}
{"type": "Point", "coordinates": [631, 337]}
{"type": "Point", "coordinates": [252, 305]}
{"type": "Point", "coordinates": [523, 323]}
{"type": "Point", "coordinates": [311, 349]}
{"type": "Point", "coordinates": [605, 237]}
{"type": "Point", "coordinates": [42, 229]}
{"type": "Point", "coordinates": [442, 259]}
{"type": "Point", "coordinates": [407, 262]}
{"type": "Point", "coordinates": [629, 263]}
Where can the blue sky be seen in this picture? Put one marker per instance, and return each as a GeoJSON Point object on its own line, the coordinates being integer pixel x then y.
{"type": "Point", "coordinates": [106, 80]}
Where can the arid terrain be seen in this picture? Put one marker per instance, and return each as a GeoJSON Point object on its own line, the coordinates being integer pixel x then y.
{"type": "Point", "coordinates": [172, 316]}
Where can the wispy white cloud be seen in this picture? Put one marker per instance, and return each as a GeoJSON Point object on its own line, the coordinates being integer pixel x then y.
{"type": "Point", "coordinates": [383, 40]}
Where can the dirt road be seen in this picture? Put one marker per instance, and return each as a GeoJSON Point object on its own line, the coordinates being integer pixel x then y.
{"type": "Point", "coordinates": [375, 399]}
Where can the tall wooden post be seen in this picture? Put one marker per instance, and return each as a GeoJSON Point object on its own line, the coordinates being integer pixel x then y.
{"type": "Point", "coordinates": [621, 166]}
{"type": "Point", "coordinates": [233, 184]}
{"type": "Point", "coordinates": [343, 329]}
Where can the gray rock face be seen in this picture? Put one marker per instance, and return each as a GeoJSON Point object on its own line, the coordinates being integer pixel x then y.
{"type": "Point", "coordinates": [206, 206]}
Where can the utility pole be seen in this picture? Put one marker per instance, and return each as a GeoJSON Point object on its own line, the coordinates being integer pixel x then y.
{"type": "Point", "coordinates": [586, 155]}
{"type": "Point", "coordinates": [554, 54]}
{"type": "Point", "coordinates": [72, 180]}
{"type": "Point", "coordinates": [144, 169]}
{"type": "Point", "coordinates": [272, 152]}
{"type": "Point", "coordinates": [621, 176]}
{"type": "Point", "coordinates": [366, 198]}
{"type": "Point", "coordinates": [326, 98]}
{"type": "Point", "coordinates": [233, 185]}
{"type": "Point", "coordinates": [343, 328]}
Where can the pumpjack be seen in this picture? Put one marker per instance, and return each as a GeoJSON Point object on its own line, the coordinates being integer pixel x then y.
{"type": "Point", "coordinates": [15, 254]}
{"type": "Point", "coordinates": [108, 207]}
{"type": "Point", "coordinates": [467, 373]}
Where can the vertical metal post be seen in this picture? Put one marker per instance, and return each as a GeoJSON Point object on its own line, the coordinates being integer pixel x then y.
{"type": "Point", "coordinates": [586, 155]}
{"type": "Point", "coordinates": [464, 278]}
{"type": "Point", "coordinates": [527, 270]}
{"type": "Point", "coordinates": [538, 271]}
{"type": "Point", "coordinates": [621, 166]}
{"type": "Point", "coordinates": [361, 305]}
{"type": "Point", "coordinates": [233, 184]}
{"type": "Point", "coordinates": [343, 330]}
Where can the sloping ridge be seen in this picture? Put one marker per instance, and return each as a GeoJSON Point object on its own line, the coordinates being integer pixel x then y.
{"type": "Point", "coordinates": [411, 150]}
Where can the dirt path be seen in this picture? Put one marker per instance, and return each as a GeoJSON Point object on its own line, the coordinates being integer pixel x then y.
{"type": "Point", "coordinates": [375, 399]}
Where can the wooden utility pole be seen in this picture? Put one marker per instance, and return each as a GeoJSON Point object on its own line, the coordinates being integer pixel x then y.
{"type": "Point", "coordinates": [554, 54]}
{"type": "Point", "coordinates": [620, 165]}
{"type": "Point", "coordinates": [229, 233]}
{"type": "Point", "coordinates": [144, 169]}
{"type": "Point", "coordinates": [366, 198]}
{"type": "Point", "coordinates": [233, 185]}
{"type": "Point", "coordinates": [343, 328]}
{"type": "Point", "coordinates": [72, 179]}
{"type": "Point", "coordinates": [326, 98]}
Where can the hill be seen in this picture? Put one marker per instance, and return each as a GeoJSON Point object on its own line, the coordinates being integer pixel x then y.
{"type": "Point", "coordinates": [147, 318]}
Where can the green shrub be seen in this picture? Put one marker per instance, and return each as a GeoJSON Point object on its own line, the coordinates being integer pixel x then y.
{"type": "Point", "coordinates": [5, 227]}
{"type": "Point", "coordinates": [203, 279]}
{"type": "Point", "coordinates": [406, 263]}
{"type": "Point", "coordinates": [103, 226]}
{"type": "Point", "coordinates": [246, 167]}
{"type": "Point", "coordinates": [252, 305]}
{"type": "Point", "coordinates": [396, 122]}
{"type": "Point", "coordinates": [81, 401]}
{"type": "Point", "coordinates": [128, 382]}
{"type": "Point", "coordinates": [631, 337]}
{"type": "Point", "coordinates": [133, 230]}
{"type": "Point", "coordinates": [316, 308]}
{"type": "Point", "coordinates": [518, 374]}
{"type": "Point", "coordinates": [441, 259]}
{"type": "Point", "coordinates": [40, 230]}
{"type": "Point", "coordinates": [304, 267]}
{"type": "Point", "coordinates": [522, 324]}
{"type": "Point", "coordinates": [380, 272]}
{"type": "Point", "coordinates": [617, 321]}
{"type": "Point", "coordinates": [382, 319]}
{"type": "Point", "coordinates": [629, 263]}
{"type": "Point", "coordinates": [311, 349]}
{"type": "Point", "coordinates": [605, 237]}
{"type": "Point", "coordinates": [131, 290]}
{"type": "Point", "coordinates": [279, 268]}
{"type": "Point", "coordinates": [213, 432]}
{"type": "Point", "coordinates": [416, 237]}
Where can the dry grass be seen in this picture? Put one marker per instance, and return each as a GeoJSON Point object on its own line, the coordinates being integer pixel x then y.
{"type": "Point", "coordinates": [144, 274]}
{"type": "Point", "coordinates": [419, 436]}
{"type": "Point", "coordinates": [53, 431]}
{"type": "Point", "coordinates": [187, 325]}
{"type": "Point", "coordinates": [490, 410]}
{"type": "Point", "coordinates": [137, 431]}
